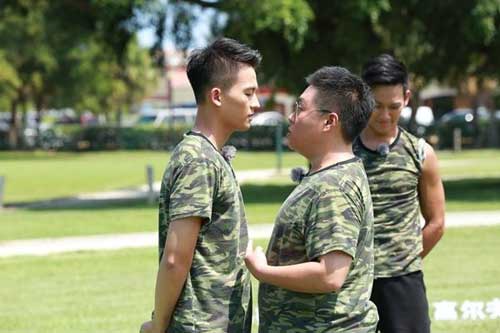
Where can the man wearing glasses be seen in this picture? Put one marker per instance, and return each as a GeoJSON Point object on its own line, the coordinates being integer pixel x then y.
{"type": "Point", "coordinates": [318, 270]}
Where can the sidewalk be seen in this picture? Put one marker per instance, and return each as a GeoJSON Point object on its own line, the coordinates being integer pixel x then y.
{"type": "Point", "coordinates": [46, 246]}
{"type": "Point", "coordinates": [42, 247]}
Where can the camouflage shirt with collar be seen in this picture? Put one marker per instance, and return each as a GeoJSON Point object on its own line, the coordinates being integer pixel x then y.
{"type": "Point", "coordinates": [329, 210]}
{"type": "Point", "coordinates": [199, 182]}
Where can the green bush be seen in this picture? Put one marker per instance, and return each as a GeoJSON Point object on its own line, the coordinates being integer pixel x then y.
{"type": "Point", "coordinates": [96, 138]}
{"type": "Point", "coordinates": [4, 140]}
{"type": "Point", "coordinates": [113, 138]}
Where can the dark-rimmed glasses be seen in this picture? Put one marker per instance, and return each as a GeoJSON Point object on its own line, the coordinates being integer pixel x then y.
{"type": "Point", "coordinates": [298, 109]}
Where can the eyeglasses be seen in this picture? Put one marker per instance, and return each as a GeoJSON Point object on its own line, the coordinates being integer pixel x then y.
{"type": "Point", "coordinates": [298, 109]}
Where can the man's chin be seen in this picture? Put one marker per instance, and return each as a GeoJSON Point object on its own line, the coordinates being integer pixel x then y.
{"type": "Point", "coordinates": [385, 129]}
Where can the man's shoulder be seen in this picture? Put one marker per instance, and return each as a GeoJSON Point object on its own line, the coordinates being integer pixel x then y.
{"type": "Point", "coordinates": [413, 145]}
{"type": "Point", "coordinates": [408, 137]}
{"type": "Point", "coordinates": [191, 149]}
{"type": "Point", "coordinates": [346, 175]}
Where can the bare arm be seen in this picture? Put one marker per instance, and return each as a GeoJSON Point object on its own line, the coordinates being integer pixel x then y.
{"type": "Point", "coordinates": [174, 268]}
{"type": "Point", "coordinates": [431, 197]}
{"type": "Point", "coordinates": [326, 275]}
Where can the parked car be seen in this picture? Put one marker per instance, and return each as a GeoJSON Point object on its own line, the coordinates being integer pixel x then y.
{"type": "Point", "coordinates": [462, 119]}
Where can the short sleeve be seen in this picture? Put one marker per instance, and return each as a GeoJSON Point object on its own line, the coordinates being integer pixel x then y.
{"type": "Point", "coordinates": [192, 190]}
{"type": "Point", "coordinates": [333, 225]}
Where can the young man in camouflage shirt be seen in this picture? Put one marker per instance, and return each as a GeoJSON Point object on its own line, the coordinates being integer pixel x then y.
{"type": "Point", "coordinates": [404, 182]}
{"type": "Point", "coordinates": [317, 273]}
{"type": "Point", "coordinates": [202, 283]}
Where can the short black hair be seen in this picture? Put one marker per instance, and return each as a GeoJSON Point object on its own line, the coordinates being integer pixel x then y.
{"type": "Point", "coordinates": [341, 91]}
{"type": "Point", "coordinates": [217, 65]}
{"type": "Point", "coordinates": [385, 70]}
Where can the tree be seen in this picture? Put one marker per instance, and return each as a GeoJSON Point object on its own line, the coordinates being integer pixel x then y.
{"type": "Point", "coordinates": [446, 41]}
{"type": "Point", "coordinates": [300, 35]}
{"type": "Point", "coordinates": [101, 85]}
{"type": "Point", "coordinates": [39, 40]}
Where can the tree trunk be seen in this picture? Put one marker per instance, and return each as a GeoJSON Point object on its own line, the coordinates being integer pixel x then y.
{"type": "Point", "coordinates": [40, 106]}
{"type": "Point", "coordinates": [119, 116]}
{"type": "Point", "coordinates": [493, 128]}
{"type": "Point", "coordinates": [414, 104]}
{"type": "Point", "coordinates": [13, 128]}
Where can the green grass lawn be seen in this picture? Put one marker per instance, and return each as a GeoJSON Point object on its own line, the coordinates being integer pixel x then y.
{"type": "Point", "coordinates": [44, 175]}
{"type": "Point", "coordinates": [123, 218]}
{"type": "Point", "coordinates": [464, 266]}
{"type": "Point", "coordinates": [470, 163]}
{"type": "Point", "coordinates": [35, 175]}
{"type": "Point", "coordinates": [262, 202]}
{"type": "Point", "coordinates": [113, 291]}
{"type": "Point", "coordinates": [26, 224]}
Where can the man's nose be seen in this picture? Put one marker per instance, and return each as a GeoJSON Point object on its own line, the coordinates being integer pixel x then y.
{"type": "Point", "coordinates": [255, 104]}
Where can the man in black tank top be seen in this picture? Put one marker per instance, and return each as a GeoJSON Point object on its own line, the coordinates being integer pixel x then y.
{"type": "Point", "coordinates": [404, 181]}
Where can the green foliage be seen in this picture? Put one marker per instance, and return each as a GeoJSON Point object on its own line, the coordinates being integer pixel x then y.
{"type": "Point", "coordinates": [327, 33]}
{"type": "Point", "coordinates": [113, 137]}
{"type": "Point", "coordinates": [297, 37]}
{"type": "Point", "coordinates": [97, 82]}
{"type": "Point", "coordinates": [428, 34]}
{"type": "Point", "coordinates": [116, 137]}
{"type": "Point", "coordinates": [9, 82]}
{"type": "Point", "coordinates": [287, 18]}
{"type": "Point", "coordinates": [79, 54]}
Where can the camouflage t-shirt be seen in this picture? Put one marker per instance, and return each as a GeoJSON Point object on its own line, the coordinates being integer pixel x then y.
{"type": "Point", "coordinates": [329, 210]}
{"type": "Point", "coordinates": [394, 187]}
{"type": "Point", "coordinates": [198, 181]}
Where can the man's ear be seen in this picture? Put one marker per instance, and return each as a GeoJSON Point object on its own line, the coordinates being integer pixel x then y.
{"type": "Point", "coordinates": [215, 96]}
{"type": "Point", "coordinates": [331, 122]}
{"type": "Point", "coordinates": [407, 96]}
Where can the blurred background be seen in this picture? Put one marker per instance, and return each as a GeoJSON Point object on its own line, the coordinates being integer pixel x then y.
{"type": "Point", "coordinates": [94, 94]}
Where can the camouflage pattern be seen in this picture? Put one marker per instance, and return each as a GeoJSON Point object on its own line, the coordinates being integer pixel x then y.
{"type": "Point", "coordinates": [198, 181]}
{"type": "Point", "coordinates": [394, 187]}
{"type": "Point", "coordinates": [329, 210]}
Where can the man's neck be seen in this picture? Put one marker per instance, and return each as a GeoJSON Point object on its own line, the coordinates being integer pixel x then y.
{"type": "Point", "coordinates": [372, 139]}
{"type": "Point", "coordinates": [211, 129]}
{"type": "Point", "coordinates": [330, 157]}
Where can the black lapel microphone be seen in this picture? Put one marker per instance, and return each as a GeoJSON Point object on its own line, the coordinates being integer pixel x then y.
{"type": "Point", "coordinates": [383, 149]}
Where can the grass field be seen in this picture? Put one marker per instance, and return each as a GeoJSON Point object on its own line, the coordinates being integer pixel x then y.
{"type": "Point", "coordinates": [113, 291]}
{"type": "Point", "coordinates": [462, 195]}
{"type": "Point", "coordinates": [470, 163]}
{"type": "Point", "coordinates": [44, 175]}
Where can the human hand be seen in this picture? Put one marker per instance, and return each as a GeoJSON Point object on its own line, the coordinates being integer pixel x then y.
{"type": "Point", "coordinates": [255, 260]}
